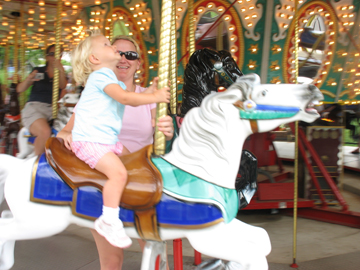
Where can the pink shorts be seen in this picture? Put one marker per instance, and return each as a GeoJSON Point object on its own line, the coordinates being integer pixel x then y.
{"type": "Point", "coordinates": [91, 152]}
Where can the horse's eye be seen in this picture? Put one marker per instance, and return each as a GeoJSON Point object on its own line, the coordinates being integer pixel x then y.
{"type": "Point", "coordinates": [263, 93]}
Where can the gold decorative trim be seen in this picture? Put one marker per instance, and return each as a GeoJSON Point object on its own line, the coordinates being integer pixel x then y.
{"type": "Point", "coordinates": [343, 93]}
{"type": "Point", "coordinates": [328, 93]}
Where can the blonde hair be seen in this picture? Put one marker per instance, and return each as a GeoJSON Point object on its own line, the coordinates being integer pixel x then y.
{"type": "Point", "coordinates": [128, 38]}
{"type": "Point", "coordinates": [80, 59]}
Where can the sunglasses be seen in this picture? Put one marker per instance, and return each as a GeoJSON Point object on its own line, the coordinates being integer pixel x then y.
{"type": "Point", "coordinates": [130, 55]}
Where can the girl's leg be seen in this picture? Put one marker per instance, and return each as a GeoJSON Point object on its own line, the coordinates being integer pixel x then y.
{"type": "Point", "coordinates": [114, 169]}
{"type": "Point", "coordinates": [111, 258]}
{"type": "Point", "coordinates": [109, 225]}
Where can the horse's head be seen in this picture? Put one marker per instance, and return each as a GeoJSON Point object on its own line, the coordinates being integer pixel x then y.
{"type": "Point", "coordinates": [206, 71]}
{"type": "Point", "coordinates": [212, 135]}
{"type": "Point", "coordinates": [270, 105]}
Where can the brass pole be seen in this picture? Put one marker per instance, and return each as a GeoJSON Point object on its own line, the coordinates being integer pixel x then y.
{"type": "Point", "coordinates": [173, 71]}
{"type": "Point", "coordinates": [16, 50]}
{"type": "Point", "coordinates": [56, 82]}
{"type": "Point", "coordinates": [191, 27]}
{"type": "Point", "coordinates": [219, 37]}
{"type": "Point", "coordinates": [111, 23]}
{"type": "Point", "coordinates": [22, 54]}
{"type": "Point", "coordinates": [296, 48]}
{"type": "Point", "coordinates": [164, 62]}
{"type": "Point", "coordinates": [6, 66]}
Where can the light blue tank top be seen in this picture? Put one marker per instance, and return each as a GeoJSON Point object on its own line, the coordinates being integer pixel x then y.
{"type": "Point", "coordinates": [98, 117]}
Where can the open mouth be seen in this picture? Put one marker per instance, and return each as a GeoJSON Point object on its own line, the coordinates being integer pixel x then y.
{"type": "Point", "coordinates": [310, 107]}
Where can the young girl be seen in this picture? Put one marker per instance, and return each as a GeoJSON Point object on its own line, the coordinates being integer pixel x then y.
{"type": "Point", "coordinates": [98, 122]}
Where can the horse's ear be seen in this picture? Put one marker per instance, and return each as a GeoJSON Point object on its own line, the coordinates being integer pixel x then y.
{"type": "Point", "coordinates": [251, 78]}
{"type": "Point", "coordinates": [230, 95]}
{"type": "Point", "coordinates": [246, 83]}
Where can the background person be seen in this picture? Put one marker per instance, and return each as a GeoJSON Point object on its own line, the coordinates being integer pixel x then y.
{"type": "Point", "coordinates": [137, 131]}
{"type": "Point", "coordinates": [38, 110]}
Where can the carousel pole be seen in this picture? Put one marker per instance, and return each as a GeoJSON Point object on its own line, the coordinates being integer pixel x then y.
{"type": "Point", "coordinates": [294, 265]}
{"type": "Point", "coordinates": [111, 24]}
{"type": "Point", "coordinates": [16, 49]}
{"type": "Point", "coordinates": [164, 62]}
{"type": "Point", "coordinates": [192, 47]}
{"type": "Point", "coordinates": [56, 82]}
{"type": "Point", "coordinates": [22, 54]}
{"type": "Point", "coordinates": [173, 71]}
{"type": "Point", "coordinates": [191, 27]}
{"type": "Point", "coordinates": [6, 66]}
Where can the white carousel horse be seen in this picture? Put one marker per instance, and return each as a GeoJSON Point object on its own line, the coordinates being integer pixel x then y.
{"type": "Point", "coordinates": [66, 107]}
{"type": "Point", "coordinates": [209, 146]}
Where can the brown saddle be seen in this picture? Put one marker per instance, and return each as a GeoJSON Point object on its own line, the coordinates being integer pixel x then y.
{"type": "Point", "coordinates": [142, 192]}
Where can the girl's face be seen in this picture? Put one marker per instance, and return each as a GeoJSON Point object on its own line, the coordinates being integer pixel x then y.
{"type": "Point", "coordinates": [125, 69]}
{"type": "Point", "coordinates": [105, 53]}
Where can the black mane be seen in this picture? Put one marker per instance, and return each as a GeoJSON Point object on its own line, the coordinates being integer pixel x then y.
{"type": "Point", "coordinates": [200, 78]}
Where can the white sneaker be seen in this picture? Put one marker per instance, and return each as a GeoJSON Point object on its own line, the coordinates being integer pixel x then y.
{"type": "Point", "coordinates": [113, 233]}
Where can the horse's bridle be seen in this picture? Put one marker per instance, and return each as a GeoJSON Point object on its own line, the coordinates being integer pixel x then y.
{"type": "Point", "coordinates": [253, 112]}
{"type": "Point", "coordinates": [250, 110]}
{"type": "Point", "coordinates": [218, 68]}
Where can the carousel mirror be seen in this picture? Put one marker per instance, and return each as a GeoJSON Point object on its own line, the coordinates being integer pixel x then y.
{"type": "Point", "coordinates": [216, 38]}
{"type": "Point", "coordinates": [311, 48]}
{"type": "Point", "coordinates": [215, 30]}
{"type": "Point", "coordinates": [316, 45]}
{"type": "Point", "coordinates": [123, 23]}
{"type": "Point", "coordinates": [120, 28]}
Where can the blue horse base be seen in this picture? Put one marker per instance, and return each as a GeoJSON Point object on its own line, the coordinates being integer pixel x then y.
{"type": "Point", "coordinates": [86, 201]}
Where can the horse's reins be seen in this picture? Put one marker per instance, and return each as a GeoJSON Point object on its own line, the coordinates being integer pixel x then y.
{"type": "Point", "coordinates": [250, 110]}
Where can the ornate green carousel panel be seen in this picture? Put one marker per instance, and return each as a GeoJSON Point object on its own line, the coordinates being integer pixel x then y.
{"type": "Point", "coordinates": [228, 35]}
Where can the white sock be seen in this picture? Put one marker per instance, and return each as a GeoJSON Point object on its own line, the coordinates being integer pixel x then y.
{"type": "Point", "coordinates": [110, 214]}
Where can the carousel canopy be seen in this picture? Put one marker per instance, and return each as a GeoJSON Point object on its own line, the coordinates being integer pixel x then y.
{"type": "Point", "coordinates": [258, 33]}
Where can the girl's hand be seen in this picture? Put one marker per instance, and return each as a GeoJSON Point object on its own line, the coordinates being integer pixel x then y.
{"type": "Point", "coordinates": [153, 87]}
{"type": "Point", "coordinates": [166, 126]}
{"type": "Point", "coordinates": [68, 140]}
{"type": "Point", "coordinates": [162, 95]}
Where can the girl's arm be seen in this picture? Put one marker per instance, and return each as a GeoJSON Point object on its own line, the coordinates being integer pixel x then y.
{"type": "Point", "coordinates": [65, 133]}
{"type": "Point", "coordinates": [153, 87]}
{"type": "Point", "coordinates": [136, 99]}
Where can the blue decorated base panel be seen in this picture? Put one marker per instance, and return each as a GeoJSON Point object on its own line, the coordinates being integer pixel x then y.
{"type": "Point", "coordinates": [86, 202]}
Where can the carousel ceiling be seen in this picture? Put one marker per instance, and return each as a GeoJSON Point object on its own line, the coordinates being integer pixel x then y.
{"type": "Point", "coordinates": [37, 18]}
{"type": "Point", "coordinates": [260, 34]}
